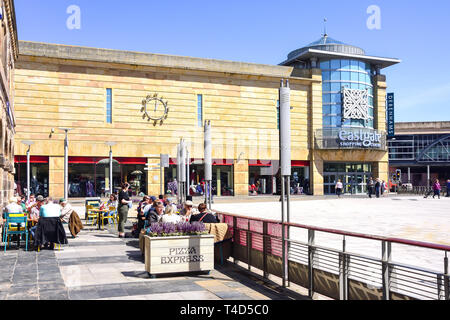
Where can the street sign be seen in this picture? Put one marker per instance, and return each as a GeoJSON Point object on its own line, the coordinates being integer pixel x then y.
{"type": "Point", "coordinates": [164, 161]}
{"type": "Point", "coordinates": [390, 115]}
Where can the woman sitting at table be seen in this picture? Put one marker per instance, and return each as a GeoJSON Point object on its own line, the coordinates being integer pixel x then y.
{"type": "Point", "coordinates": [170, 215]}
{"type": "Point", "coordinates": [204, 216]}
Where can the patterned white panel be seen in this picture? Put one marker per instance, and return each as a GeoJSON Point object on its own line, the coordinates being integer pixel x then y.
{"type": "Point", "coordinates": [355, 104]}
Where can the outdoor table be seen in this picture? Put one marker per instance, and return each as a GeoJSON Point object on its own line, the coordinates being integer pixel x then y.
{"type": "Point", "coordinates": [100, 215]}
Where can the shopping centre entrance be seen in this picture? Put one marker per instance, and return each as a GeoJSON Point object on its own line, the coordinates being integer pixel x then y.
{"type": "Point", "coordinates": [354, 177]}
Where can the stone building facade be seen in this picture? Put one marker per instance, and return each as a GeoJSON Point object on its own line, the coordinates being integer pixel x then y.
{"type": "Point", "coordinates": [99, 93]}
{"type": "Point", "coordinates": [9, 53]}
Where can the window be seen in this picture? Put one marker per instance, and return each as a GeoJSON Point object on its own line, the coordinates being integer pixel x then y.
{"type": "Point", "coordinates": [278, 114]}
{"type": "Point", "coordinates": [109, 105]}
{"type": "Point", "coordinates": [200, 110]}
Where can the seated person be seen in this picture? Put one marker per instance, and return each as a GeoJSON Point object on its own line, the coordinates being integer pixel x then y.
{"type": "Point", "coordinates": [34, 213]}
{"type": "Point", "coordinates": [140, 210]}
{"type": "Point", "coordinates": [66, 210]}
{"type": "Point", "coordinates": [187, 211]}
{"type": "Point", "coordinates": [204, 216]}
{"type": "Point", "coordinates": [14, 207]}
{"type": "Point", "coordinates": [170, 215]}
{"type": "Point", "coordinates": [50, 209]}
{"type": "Point", "coordinates": [156, 212]}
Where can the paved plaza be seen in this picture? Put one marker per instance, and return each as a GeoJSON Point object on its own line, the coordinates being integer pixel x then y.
{"type": "Point", "coordinates": [98, 265]}
{"type": "Point", "coordinates": [407, 217]}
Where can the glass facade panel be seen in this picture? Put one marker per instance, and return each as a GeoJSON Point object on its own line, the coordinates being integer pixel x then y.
{"type": "Point", "coordinates": [335, 64]}
{"type": "Point", "coordinates": [38, 178]}
{"type": "Point", "coordinates": [345, 76]}
{"type": "Point", "coordinates": [345, 64]}
{"type": "Point", "coordinates": [324, 65]}
{"type": "Point", "coordinates": [337, 74]}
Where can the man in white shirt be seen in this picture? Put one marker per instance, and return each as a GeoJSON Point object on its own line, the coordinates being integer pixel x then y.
{"type": "Point", "coordinates": [50, 210]}
{"type": "Point", "coordinates": [13, 206]}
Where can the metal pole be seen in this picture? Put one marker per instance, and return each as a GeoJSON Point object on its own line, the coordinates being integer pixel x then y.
{"type": "Point", "coordinates": [111, 185]}
{"type": "Point", "coordinates": [188, 174]}
{"type": "Point", "coordinates": [28, 173]}
{"type": "Point", "coordinates": [288, 209]}
{"type": "Point", "coordinates": [386, 253]}
{"type": "Point", "coordinates": [428, 176]}
{"type": "Point", "coordinates": [283, 235]}
{"type": "Point", "coordinates": [446, 278]}
{"type": "Point", "coordinates": [409, 175]}
{"type": "Point", "coordinates": [66, 165]}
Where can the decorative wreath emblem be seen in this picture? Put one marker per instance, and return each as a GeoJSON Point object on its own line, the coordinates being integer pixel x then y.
{"type": "Point", "coordinates": [155, 109]}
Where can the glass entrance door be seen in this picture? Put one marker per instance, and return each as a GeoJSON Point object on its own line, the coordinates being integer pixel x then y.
{"type": "Point", "coordinates": [354, 177]}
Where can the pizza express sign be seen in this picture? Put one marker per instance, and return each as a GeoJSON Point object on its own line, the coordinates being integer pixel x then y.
{"type": "Point", "coordinates": [362, 139]}
{"type": "Point", "coordinates": [182, 255]}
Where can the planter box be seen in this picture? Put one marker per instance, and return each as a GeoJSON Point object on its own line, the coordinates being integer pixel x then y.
{"type": "Point", "coordinates": [179, 254]}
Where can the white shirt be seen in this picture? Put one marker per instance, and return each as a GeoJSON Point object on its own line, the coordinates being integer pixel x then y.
{"type": "Point", "coordinates": [50, 210]}
{"type": "Point", "coordinates": [339, 185]}
{"type": "Point", "coordinates": [14, 208]}
{"type": "Point", "coordinates": [66, 212]}
{"type": "Point", "coordinates": [173, 218]}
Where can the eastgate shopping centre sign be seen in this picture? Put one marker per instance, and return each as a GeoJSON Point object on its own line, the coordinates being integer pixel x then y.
{"type": "Point", "coordinates": [350, 138]}
{"type": "Point", "coordinates": [361, 139]}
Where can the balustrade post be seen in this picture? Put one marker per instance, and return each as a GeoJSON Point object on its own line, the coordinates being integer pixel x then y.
{"type": "Point", "coordinates": [249, 247]}
{"type": "Point", "coordinates": [265, 233]}
{"type": "Point", "coordinates": [311, 249]}
{"type": "Point", "coordinates": [446, 278]}
{"type": "Point", "coordinates": [386, 274]}
{"type": "Point", "coordinates": [343, 273]}
{"type": "Point", "coordinates": [235, 243]}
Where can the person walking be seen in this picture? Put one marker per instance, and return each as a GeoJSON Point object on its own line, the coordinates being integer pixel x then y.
{"type": "Point", "coordinates": [383, 187]}
{"type": "Point", "coordinates": [448, 188]}
{"type": "Point", "coordinates": [339, 187]}
{"type": "Point", "coordinates": [124, 206]}
{"type": "Point", "coordinates": [370, 187]}
{"type": "Point", "coordinates": [437, 189]}
{"type": "Point", "coordinates": [377, 187]}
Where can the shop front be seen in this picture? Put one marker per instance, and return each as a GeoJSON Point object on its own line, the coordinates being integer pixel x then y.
{"type": "Point", "coordinates": [222, 177]}
{"type": "Point", "coordinates": [39, 175]}
{"type": "Point", "coordinates": [89, 176]}
{"type": "Point", "coordinates": [264, 177]}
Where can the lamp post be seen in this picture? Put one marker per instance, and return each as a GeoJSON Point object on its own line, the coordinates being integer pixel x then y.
{"type": "Point", "coordinates": [207, 145]}
{"type": "Point", "coordinates": [285, 170]}
{"type": "Point", "coordinates": [111, 185]}
{"type": "Point", "coordinates": [28, 143]}
{"type": "Point", "coordinates": [66, 162]}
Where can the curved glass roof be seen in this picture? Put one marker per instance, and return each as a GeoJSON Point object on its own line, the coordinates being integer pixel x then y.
{"type": "Point", "coordinates": [326, 43]}
{"type": "Point", "coordinates": [324, 40]}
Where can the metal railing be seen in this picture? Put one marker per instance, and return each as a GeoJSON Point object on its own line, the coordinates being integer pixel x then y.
{"type": "Point", "coordinates": [335, 272]}
{"type": "Point", "coordinates": [421, 190]}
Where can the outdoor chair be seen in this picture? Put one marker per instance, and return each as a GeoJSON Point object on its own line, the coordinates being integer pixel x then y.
{"type": "Point", "coordinates": [110, 215]}
{"type": "Point", "coordinates": [91, 215]}
{"type": "Point", "coordinates": [13, 226]}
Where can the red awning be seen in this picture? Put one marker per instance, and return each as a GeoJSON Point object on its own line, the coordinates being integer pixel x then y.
{"type": "Point", "coordinates": [215, 162]}
{"type": "Point", "coordinates": [94, 160]}
{"type": "Point", "coordinates": [33, 159]}
{"type": "Point", "coordinates": [299, 163]}
{"type": "Point", "coordinates": [259, 163]}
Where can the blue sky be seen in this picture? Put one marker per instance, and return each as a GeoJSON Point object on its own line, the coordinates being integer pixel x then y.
{"type": "Point", "coordinates": [265, 32]}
